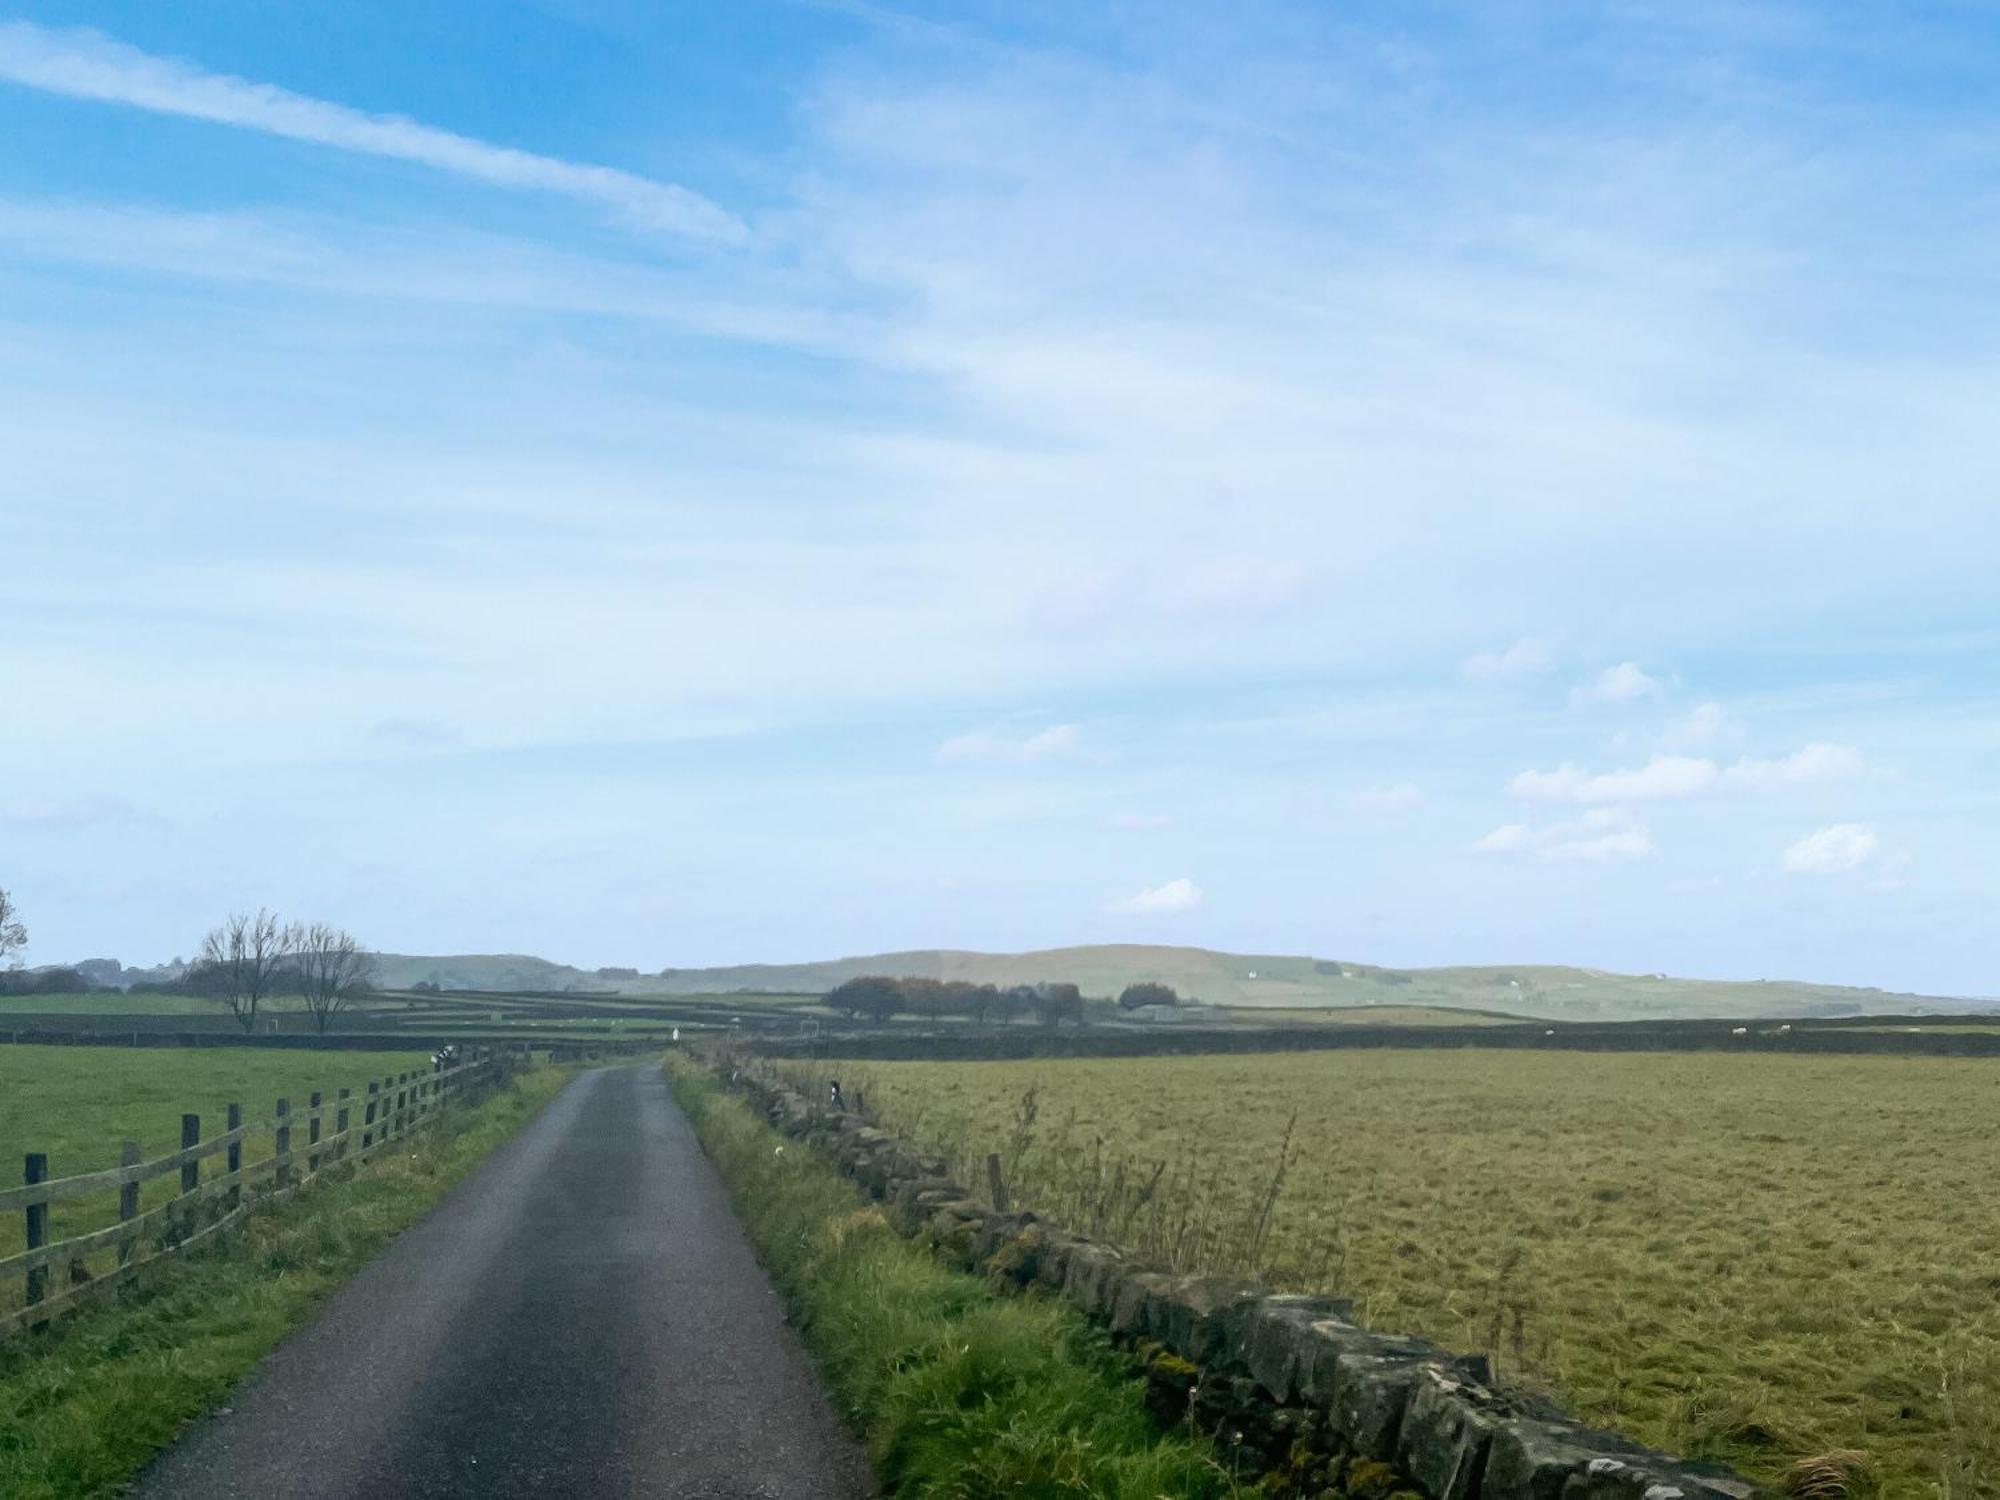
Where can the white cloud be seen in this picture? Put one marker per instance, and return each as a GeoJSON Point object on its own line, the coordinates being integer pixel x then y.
{"type": "Point", "coordinates": [1624, 683]}
{"type": "Point", "coordinates": [83, 64]}
{"type": "Point", "coordinates": [1815, 765]}
{"type": "Point", "coordinates": [1059, 739]}
{"type": "Point", "coordinates": [1527, 657]}
{"type": "Point", "coordinates": [1132, 822]}
{"type": "Point", "coordinates": [1704, 725]}
{"type": "Point", "coordinates": [1833, 850]}
{"type": "Point", "coordinates": [1599, 836]}
{"type": "Point", "coordinates": [1662, 776]}
{"type": "Point", "coordinates": [1391, 798]}
{"type": "Point", "coordinates": [1175, 895]}
{"type": "Point", "coordinates": [1667, 776]}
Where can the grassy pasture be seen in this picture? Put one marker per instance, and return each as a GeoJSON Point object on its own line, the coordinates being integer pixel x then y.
{"type": "Point", "coordinates": [77, 1104]}
{"type": "Point", "coordinates": [1752, 1258]}
{"type": "Point", "coordinates": [1364, 1015]}
{"type": "Point", "coordinates": [118, 1003]}
{"type": "Point", "coordinates": [82, 1409]}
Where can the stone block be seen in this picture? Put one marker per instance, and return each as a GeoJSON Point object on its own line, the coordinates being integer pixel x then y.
{"type": "Point", "coordinates": [1372, 1385]}
{"type": "Point", "coordinates": [1091, 1279]}
{"type": "Point", "coordinates": [1132, 1297]}
{"type": "Point", "coordinates": [1448, 1431]}
{"type": "Point", "coordinates": [1552, 1459]}
{"type": "Point", "coordinates": [1278, 1343]}
{"type": "Point", "coordinates": [1203, 1318]}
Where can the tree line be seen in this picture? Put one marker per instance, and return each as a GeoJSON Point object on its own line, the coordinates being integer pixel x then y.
{"type": "Point", "coordinates": [878, 997]}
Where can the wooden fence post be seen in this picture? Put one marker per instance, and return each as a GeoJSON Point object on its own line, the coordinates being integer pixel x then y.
{"type": "Point", "coordinates": [190, 1171]}
{"type": "Point", "coordinates": [312, 1134]}
{"type": "Point", "coordinates": [995, 1182]}
{"type": "Point", "coordinates": [340, 1123]}
{"type": "Point", "coordinates": [282, 1144]}
{"type": "Point", "coordinates": [235, 1158]}
{"type": "Point", "coordinates": [402, 1103]}
{"type": "Point", "coordinates": [368, 1134]}
{"type": "Point", "coordinates": [38, 1224]}
{"type": "Point", "coordinates": [128, 1201]}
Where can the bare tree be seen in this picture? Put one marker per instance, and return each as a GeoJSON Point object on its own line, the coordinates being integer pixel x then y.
{"type": "Point", "coordinates": [13, 936]}
{"type": "Point", "coordinates": [331, 968]}
{"type": "Point", "coordinates": [242, 961]}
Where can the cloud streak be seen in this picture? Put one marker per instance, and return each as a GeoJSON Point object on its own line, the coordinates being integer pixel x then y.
{"type": "Point", "coordinates": [84, 64]}
{"type": "Point", "coordinates": [1670, 776]}
{"type": "Point", "coordinates": [1058, 739]}
{"type": "Point", "coordinates": [1159, 900]}
{"type": "Point", "coordinates": [1600, 836]}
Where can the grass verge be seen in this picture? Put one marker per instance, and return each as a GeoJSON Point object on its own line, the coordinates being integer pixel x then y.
{"type": "Point", "coordinates": [960, 1392]}
{"type": "Point", "coordinates": [83, 1407]}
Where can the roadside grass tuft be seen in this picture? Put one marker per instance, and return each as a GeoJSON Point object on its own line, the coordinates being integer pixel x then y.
{"type": "Point", "coordinates": [960, 1392]}
{"type": "Point", "coordinates": [86, 1404]}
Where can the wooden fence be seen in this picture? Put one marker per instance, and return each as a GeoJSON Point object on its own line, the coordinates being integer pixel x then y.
{"type": "Point", "coordinates": [58, 1275]}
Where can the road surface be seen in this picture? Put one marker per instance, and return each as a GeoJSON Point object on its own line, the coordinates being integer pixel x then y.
{"type": "Point", "coordinates": [582, 1317]}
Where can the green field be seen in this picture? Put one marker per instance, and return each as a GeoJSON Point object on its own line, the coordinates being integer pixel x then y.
{"type": "Point", "coordinates": [1362, 1015]}
{"type": "Point", "coordinates": [120, 1003]}
{"type": "Point", "coordinates": [83, 1407]}
{"type": "Point", "coordinates": [77, 1104]}
{"type": "Point", "coordinates": [1752, 1258]}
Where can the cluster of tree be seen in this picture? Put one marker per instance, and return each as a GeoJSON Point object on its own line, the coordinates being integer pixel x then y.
{"type": "Point", "coordinates": [252, 957]}
{"type": "Point", "coordinates": [43, 982]}
{"type": "Point", "coordinates": [13, 936]}
{"type": "Point", "coordinates": [877, 997]}
{"type": "Point", "coordinates": [1147, 993]}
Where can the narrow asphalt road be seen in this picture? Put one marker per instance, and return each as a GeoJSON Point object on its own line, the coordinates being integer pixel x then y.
{"type": "Point", "coordinates": [582, 1317]}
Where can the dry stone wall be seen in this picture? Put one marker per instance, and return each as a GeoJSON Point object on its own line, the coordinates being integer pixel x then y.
{"type": "Point", "coordinates": [1322, 1405]}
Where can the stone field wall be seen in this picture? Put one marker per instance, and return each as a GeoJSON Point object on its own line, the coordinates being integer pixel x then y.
{"type": "Point", "coordinates": [1320, 1405]}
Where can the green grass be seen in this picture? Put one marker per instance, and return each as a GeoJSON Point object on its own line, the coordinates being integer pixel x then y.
{"type": "Point", "coordinates": [1362, 1015]}
{"type": "Point", "coordinates": [1751, 1258]}
{"type": "Point", "coordinates": [110, 1003]}
{"type": "Point", "coordinates": [960, 1392]}
{"type": "Point", "coordinates": [76, 1104]}
{"type": "Point", "coordinates": [81, 1409]}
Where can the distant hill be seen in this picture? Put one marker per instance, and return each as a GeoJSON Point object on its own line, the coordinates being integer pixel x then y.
{"type": "Point", "coordinates": [1536, 991]}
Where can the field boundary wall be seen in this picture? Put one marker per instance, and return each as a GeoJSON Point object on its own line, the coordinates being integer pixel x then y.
{"type": "Point", "coordinates": [1289, 1378]}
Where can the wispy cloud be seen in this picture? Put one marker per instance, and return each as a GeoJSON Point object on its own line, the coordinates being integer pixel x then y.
{"type": "Point", "coordinates": [1703, 725]}
{"type": "Point", "coordinates": [1625, 683]}
{"type": "Point", "coordinates": [1058, 739]}
{"type": "Point", "coordinates": [84, 64]}
{"type": "Point", "coordinates": [1662, 776]}
{"type": "Point", "coordinates": [58, 815]}
{"type": "Point", "coordinates": [1816, 765]}
{"type": "Point", "coordinates": [1159, 900]}
{"type": "Point", "coordinates": [1135, 822]}
{"type": "Point", "coordinates": [1666, 776]}
{"type": "Point", "coordinates": [1528, 657]}
{"type": "Point", "coordinates": [1600, 836]}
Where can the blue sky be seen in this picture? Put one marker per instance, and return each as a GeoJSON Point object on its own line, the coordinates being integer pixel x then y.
{"type": "Point", "coordinates": [688, 484]}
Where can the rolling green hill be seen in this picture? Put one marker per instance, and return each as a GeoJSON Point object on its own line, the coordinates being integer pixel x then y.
{"type": "Point", "coordinates": [1256, 981]}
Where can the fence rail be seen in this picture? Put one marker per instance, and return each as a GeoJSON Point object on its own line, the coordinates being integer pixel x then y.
{"type": "Point", "coordinates": [390, 1110]}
